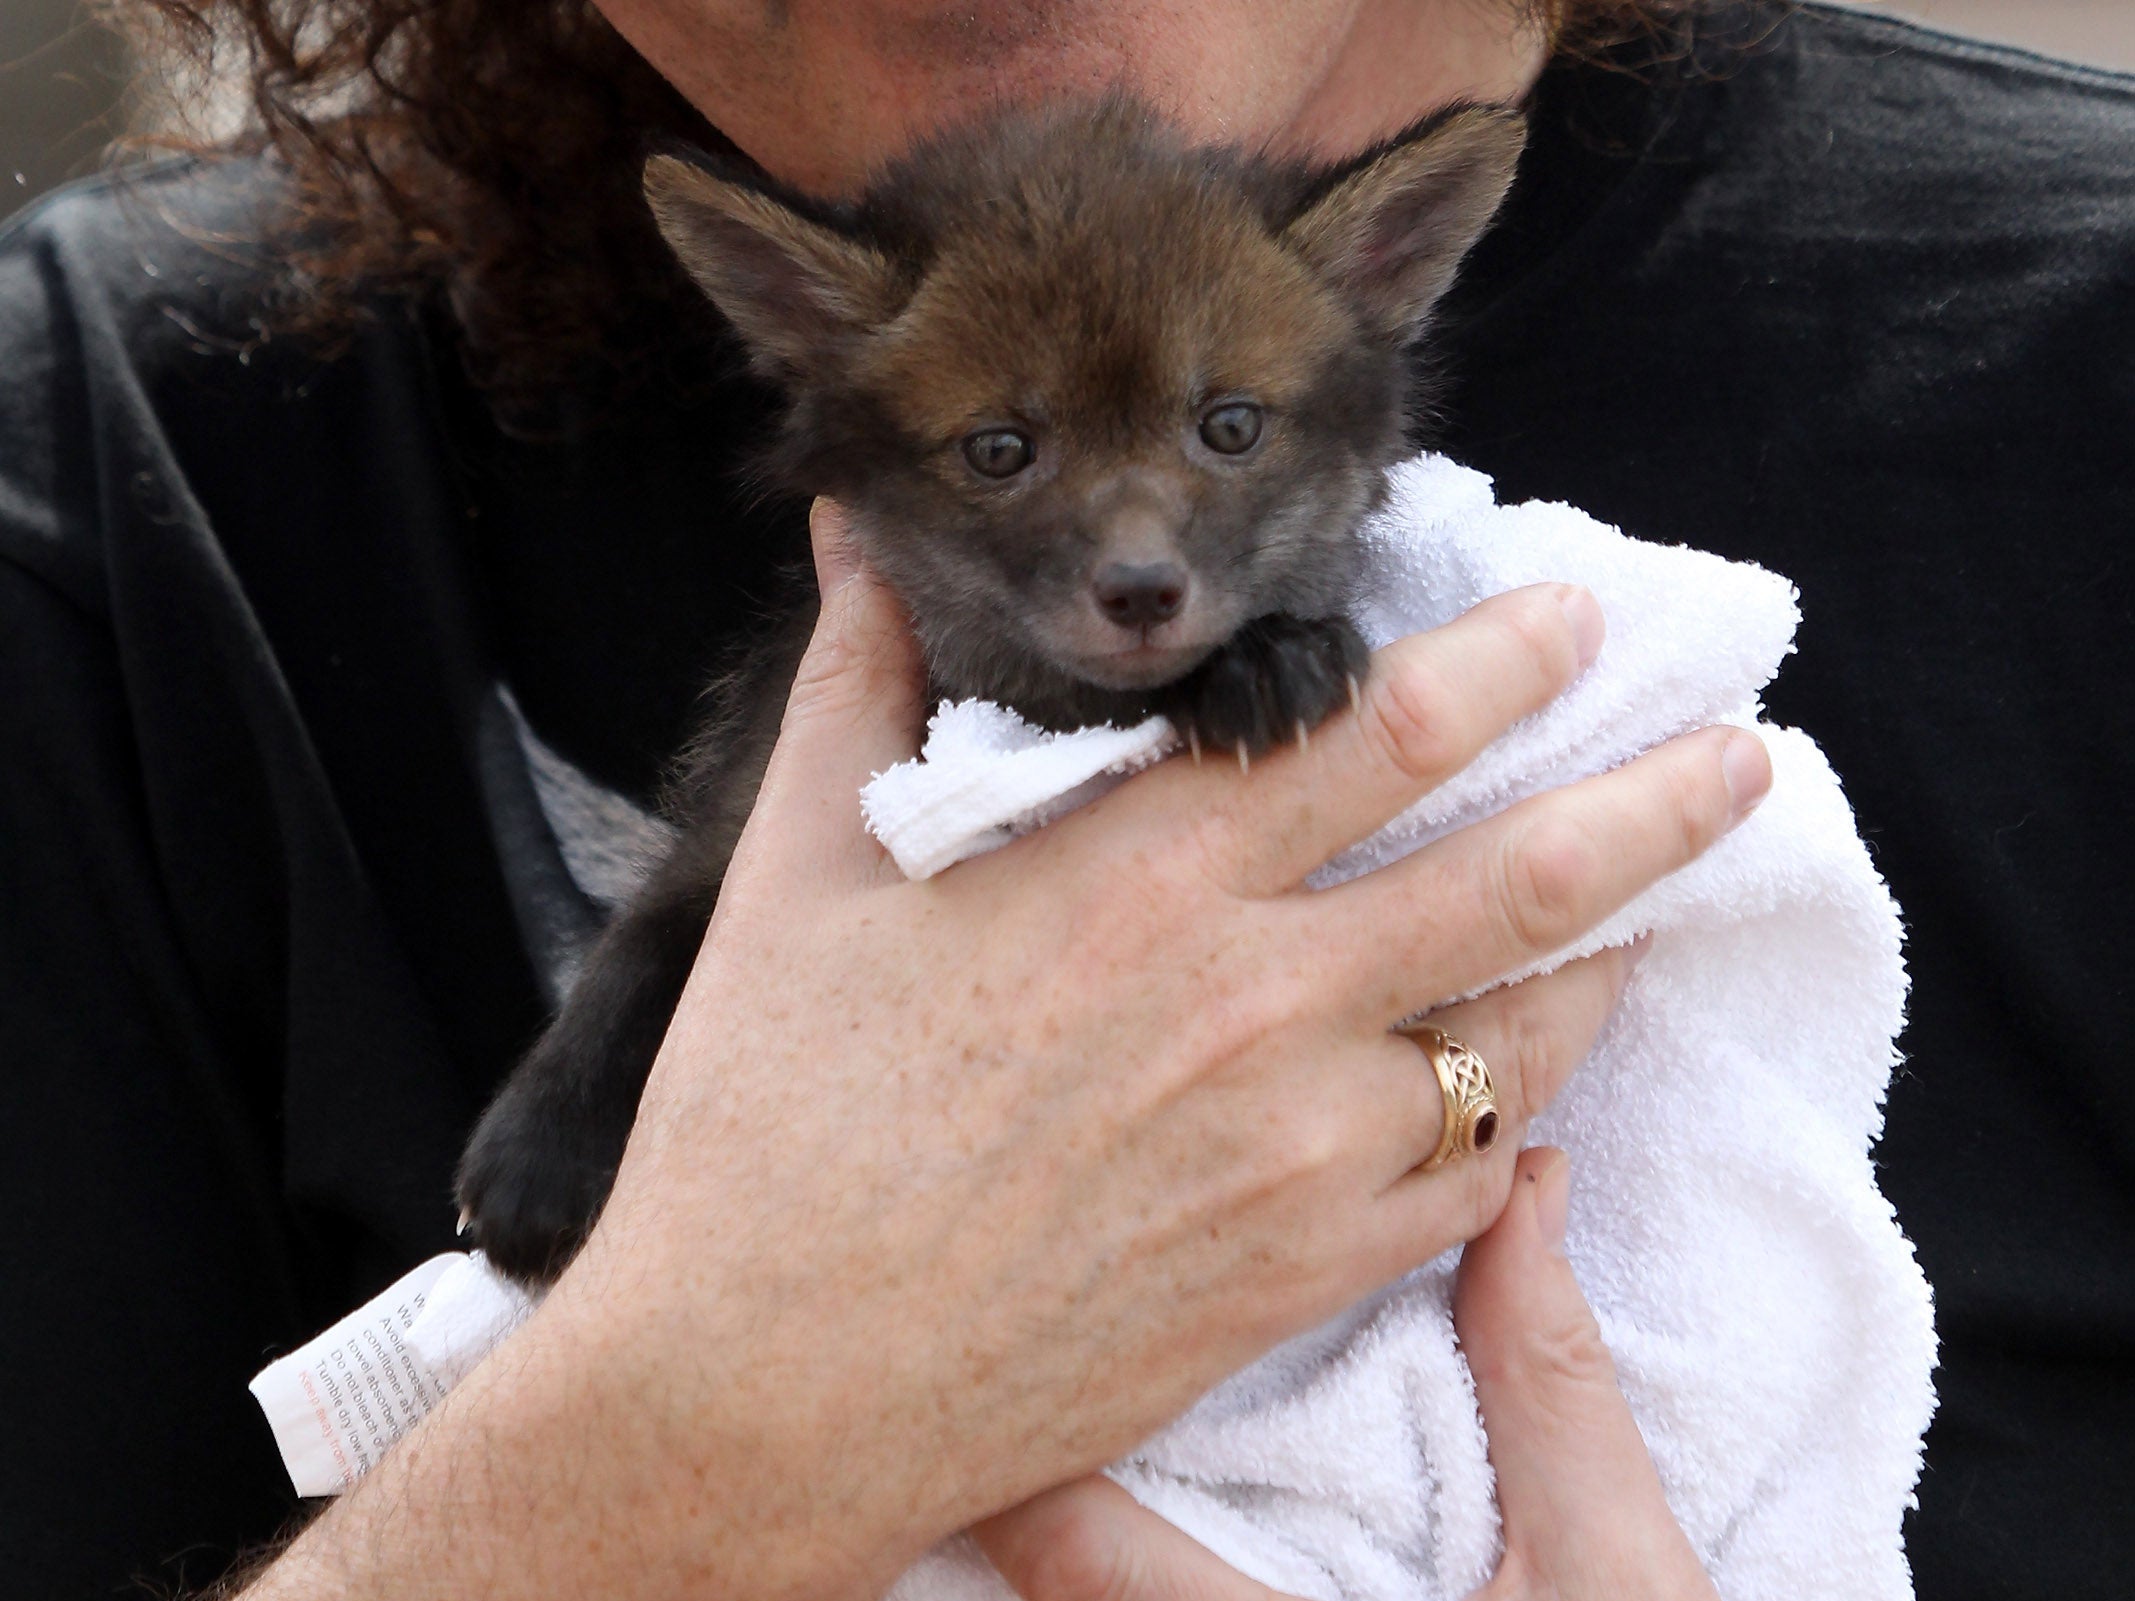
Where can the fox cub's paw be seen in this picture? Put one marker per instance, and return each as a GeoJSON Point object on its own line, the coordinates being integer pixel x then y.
{"type": "Point", "coordinates": [530, 1185]}
{"type": "Point", "coordinates": [1276, 680]}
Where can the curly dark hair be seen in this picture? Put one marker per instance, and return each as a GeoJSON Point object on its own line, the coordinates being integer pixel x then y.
{"type": "Point", "coordinates": [487, 152]}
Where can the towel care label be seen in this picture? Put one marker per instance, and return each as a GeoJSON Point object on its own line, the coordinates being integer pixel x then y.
{"type": "Point", "coordinates": [337, 1401]}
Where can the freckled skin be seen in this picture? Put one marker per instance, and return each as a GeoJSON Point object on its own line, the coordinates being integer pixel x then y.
{"type": "Point", "coordinates": [1089, 281]}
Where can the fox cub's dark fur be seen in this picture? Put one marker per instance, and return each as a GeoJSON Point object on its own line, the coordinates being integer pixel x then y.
{"type": "Point", "coordinates": [1107, 411]}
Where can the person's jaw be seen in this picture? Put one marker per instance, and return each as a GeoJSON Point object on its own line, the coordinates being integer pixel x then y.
{"type": "Point", "coordinates": [822, 92]}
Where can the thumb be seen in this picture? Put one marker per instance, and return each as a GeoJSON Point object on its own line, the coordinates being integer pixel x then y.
{"type": "Point", "coordinates": [1092, 1541]}
{"type": "Point", "coordinates": [856, 708]}
{"type": "Point", "coordinates": [1583, 1507]}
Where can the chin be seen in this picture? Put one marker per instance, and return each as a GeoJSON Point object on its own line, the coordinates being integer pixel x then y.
{"type": "Point", "coordinates": [1151, 667]}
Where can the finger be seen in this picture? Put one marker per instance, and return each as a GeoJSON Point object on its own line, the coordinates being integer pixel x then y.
{"type": "Point", "coordinates": [857, 705]}
{"type": "Point", "coordinates": [1510, 891]}
{"type": "Point", "coordinates": [1092, 1541]}
{"type": "Point", "coordinates": [1429, 706]}
{"type": "Point", "coordinates": [1583, 1507]}
{"type": "Point", "coordinates": [1531, 1036]}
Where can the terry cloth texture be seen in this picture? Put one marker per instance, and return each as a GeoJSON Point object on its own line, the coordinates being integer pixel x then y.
{"type": "Point", "coordinates": [1819, 291]}
{"type": "Point", "coordinates": [1771, 1329]}
{"type": "Point", "coordinates": [1770, 1326]}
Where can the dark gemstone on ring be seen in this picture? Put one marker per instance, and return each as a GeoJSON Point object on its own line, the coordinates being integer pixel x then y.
{"type": "Point", "coordinates": [1486, 1131]}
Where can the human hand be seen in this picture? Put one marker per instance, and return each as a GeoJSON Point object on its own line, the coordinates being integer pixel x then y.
{"type": "Point", "coordinates": [974, 1182]}
{"type": "Point", "coordinates": [942, 1193]}
{"type": "Point", "coordinates": [1583, 1511]}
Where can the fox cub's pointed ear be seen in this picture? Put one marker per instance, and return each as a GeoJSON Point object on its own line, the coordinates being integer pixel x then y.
{"type": "Point", "coordinates": [1393, 232]}
{"type": "Point", "coordinates": [796, 291]}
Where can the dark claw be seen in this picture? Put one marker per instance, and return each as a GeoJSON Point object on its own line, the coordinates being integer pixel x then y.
{"type": "Point", "coordinates": [528, 1190]}
{"type": "Point", "coordinates": [537, 1170]}
{"type": "Point", "coordinates": [1277, 679]}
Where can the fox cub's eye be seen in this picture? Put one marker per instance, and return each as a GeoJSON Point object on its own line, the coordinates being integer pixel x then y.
{"type": "Point", "coordinates": [1232, 429]}
{"type": "Point", "coordinates": [998, 452]}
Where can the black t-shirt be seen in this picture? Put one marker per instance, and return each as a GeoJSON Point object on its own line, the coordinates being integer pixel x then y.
{"type": "Point", "coordinates": [276, 899]}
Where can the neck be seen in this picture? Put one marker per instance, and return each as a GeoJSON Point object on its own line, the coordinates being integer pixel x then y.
{"type": "Point", "coordinates": [822, 92]}
{"type": "Point", "coordinates": [1404, 59]}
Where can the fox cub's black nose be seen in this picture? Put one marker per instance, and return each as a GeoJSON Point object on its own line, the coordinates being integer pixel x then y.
{"type": "Point", "coordinates": [1136, 597]}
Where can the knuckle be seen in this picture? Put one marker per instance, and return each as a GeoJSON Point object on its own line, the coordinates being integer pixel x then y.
{"type": "Point", "coordinates": [1317, 1145]}
{"type": "Point", "coordinates": [1534, 1042]}
{"type": "Point", "coordinates": [1548, 880]}
{"type": "Point", "coordinates": [1297, 1146]}
{"type": "Point", "coordinates": [856, 650]}
{"type": "Point", "coordinates": [1559, 1354]}
{"type": "Point", "coordinates": [1413, 722]}
{"type": "Point", "coordinates": [1078, 1558]}
{"type": "Point", "coordinates": [1698, 803]}
{"type": "Point", "coordinates": [1212, 847]}
{"type": "Point", "coordinates": [1245, 1004]}
{"type": "Point", "coordinates": [1537, 625]}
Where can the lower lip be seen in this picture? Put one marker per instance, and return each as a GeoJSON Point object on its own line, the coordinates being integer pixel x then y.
{"type": "Point", "coordinates": [1145, 666]}
{"type": "Point", "coordinates": [1150, 655]}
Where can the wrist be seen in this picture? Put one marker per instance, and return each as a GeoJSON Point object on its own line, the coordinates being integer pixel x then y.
{"type": "Point", "coordinates": [557, 1468]}
{"type": "Point", "coordinates": [718, 1459]}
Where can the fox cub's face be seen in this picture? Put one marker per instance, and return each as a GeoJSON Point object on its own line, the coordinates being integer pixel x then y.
{"type": "Point", "coordinates": [1097, 399]}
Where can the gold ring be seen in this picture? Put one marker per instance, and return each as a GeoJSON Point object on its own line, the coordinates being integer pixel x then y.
{"type": "Point", "coordinates": [1472, 1123]}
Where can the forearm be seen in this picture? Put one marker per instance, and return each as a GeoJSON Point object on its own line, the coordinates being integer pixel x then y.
{"type": "Point", "coordinates": [551, 1471]}
{"type": "Point", "coordinates": [937, 1197]}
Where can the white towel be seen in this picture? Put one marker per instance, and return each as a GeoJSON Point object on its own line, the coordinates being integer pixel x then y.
{"type": "Point", "coordinates": [1771, 1329]}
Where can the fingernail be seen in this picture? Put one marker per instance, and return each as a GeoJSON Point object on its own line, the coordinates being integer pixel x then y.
{"type": "Point", "coordinates": [832, 545]}
{"type": "Point", "coordinates": [1747, 769]}
{"type": "Point", "coordinates": [1589, 627]}
{"type": "Point", "coordinates": [1553, 1199]}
